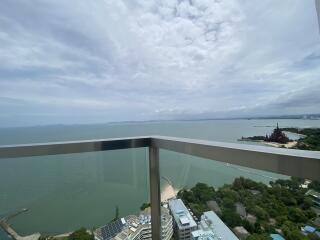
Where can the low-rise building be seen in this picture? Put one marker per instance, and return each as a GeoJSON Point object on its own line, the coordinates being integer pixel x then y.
{"type": "Point", "coordinates": [183, 222]}
{"type": "Point", "coordinates": [315, 197]}
{"type": "Point", "coordinates": [272, 221]}
{"type": "Point", "coordinates": [241, 232]}
{"type": "Point", "coordinates": [308, 230]}
{"type": "Point", "coordinates": [305, 184]}
{"type": "Point", "coordinates": [276, 237]}
{"type": "Point", "coordinates": [241, 210]}
{"type": "Point", "coordinates": [214, 206]}
{"type": "Point", "coordinates": [213, 228]}
{"type": "Point", "coordinates": [251, 218]}
{"type": "Point", "coordinates": [254, 192]}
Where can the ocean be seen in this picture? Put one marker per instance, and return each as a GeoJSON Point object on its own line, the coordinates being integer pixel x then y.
{"type": "Point", "coordinates": [66, 192]}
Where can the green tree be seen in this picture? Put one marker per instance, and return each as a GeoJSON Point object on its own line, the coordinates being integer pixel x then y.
{"type": "Point", "coordinates": [315, 185]}
{"type": "Point", "coordinates": [313, 236]}
{"type": "Point", "coordinates": [144, 206]}
{"type": "Point", "coordinates": [307, 203]}
{"type": "Point", "coordinates": [257, 227]}
{"type": "Point", "coordinates": [281, 219]}
{"type": "Point", "coordinates": [296, 215]}
{"type": "Point", "coordinates": [296, 235]}
{"type": "Point", "coordinates": [198, 208]}
{"type": "Point", "coordinates": [228, 203]}
{"type": "Point", "coordinates": [227, 192]}
{"type": "Point", "coordinates": [310, 214]}
{"type": "Point", "coordinates": [260, 213]}
{"type": "Point", "coordinates": [81, 234]}
{"type": "Point", "coordinates": [284, 201]}
{"type": "Point", "coordinates": [292, 231]}
{"type": "Point", "coordinates": [231, 218]}
{"type": "Point", "coordinates": [259, 237]}
{"type": "Point", "coordinates": [202, 192]}
{"type": "Point", "coordinates": [186, 196]}
{"type": "Point", "coordinates": [247, 225]}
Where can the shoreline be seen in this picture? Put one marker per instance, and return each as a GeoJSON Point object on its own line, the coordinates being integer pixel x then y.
{"type": "Point", "coordinates": [168, 192]}
{"type": "Point", "coordinates": [4, 224]}
{"type": "Point", "coordinates": [288, 145]}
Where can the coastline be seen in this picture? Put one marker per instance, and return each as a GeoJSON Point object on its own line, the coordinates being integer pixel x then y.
{"type": "Point", "coordinates": [288, 145]}
{"type": "Point", "coordinates": [281, 145]}
{"type": "Point", "coordinates": [168, 192]}
{"type": "Point", "coordinates": [5, 226]}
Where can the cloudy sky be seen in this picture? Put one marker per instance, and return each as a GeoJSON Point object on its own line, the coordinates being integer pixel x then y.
{"type": "Point", "coordinates": [81, 61]}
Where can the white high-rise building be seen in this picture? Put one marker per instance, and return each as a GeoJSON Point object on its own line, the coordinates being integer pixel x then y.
{"type": "Point", "coordinates": [183, 223]}
{"type": "Point", "coordinates": [139, 227]}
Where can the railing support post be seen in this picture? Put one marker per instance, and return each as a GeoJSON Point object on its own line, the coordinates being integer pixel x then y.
{"type": "Point", "coordinates": [155, 197]}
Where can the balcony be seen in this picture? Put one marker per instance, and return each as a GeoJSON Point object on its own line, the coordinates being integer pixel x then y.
{"type": "Point", "coordinates": [297, 163]}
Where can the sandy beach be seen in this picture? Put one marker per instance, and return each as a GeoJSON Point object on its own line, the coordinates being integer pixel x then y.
{"type": "Point", "coordinates": [279, 145]}
{"type": "Point", "coordinates": [168, 192]}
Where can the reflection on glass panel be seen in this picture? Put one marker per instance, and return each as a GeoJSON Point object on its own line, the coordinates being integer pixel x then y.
{"type": "Point", "coordinates": [185, 171]}
{"type": "Point", "coordinates": [65, 192]}
{"type": "Point", "coordinates": [214, 200]}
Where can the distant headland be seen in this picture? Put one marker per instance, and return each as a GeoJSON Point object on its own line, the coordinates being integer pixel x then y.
{"type": "Point", "coordinates": [309, 138]}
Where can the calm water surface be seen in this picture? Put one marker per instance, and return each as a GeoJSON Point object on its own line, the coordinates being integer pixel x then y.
{"type": "Point", "coordinates": [69, 191]}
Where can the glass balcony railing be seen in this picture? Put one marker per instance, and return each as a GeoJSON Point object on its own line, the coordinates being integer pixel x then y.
{"type": "Point", "coordinates": [72, 190]}
{"type": "Point", "coordinates": [122, 174]}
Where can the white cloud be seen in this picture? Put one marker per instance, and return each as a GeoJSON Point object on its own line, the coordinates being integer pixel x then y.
{"type": "Point", "coordinates": [155, 59]}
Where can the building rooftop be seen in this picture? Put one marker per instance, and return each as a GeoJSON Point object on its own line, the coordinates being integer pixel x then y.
{"type": "Point", "coordinates": [315, 195]}
{"type": "Point", "coordinates": [251, 218]}
{"type": "Point", "coordinates": [110, 230]}
{"type": "Point", "coordinates": [241, 232]}
{"type": "Point", "coordinates": [240, 209]}
{"type": "Point", "coordinates": [276, 237]}
{"type": "Point", "coordinates": [181, 214]}
{"type": "Point", "coordinates": [220, 230]}
{"type": "Point", "coordinates": [212, 228]}
{"type": "Point", "coordinates": [135, 224]}
{"type": "Point", "coordinates": [309, 229]}
{"type": "Point", "coordinates": [204, 235]}
{"type": "Point", "coordinates": [214, 206]}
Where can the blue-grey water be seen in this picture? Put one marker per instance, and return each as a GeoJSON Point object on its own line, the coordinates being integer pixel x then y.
{"type": "Point", "coordinates": [4, 236]}
{"type": "Point", "coordinates": [69, 191]}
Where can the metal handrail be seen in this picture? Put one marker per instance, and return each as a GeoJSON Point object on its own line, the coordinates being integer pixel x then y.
{"type": "Point", "coordinates": [298, 163]}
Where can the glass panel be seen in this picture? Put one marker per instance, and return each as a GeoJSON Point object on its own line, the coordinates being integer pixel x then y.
{"type": "Point", "coordinates": [185, 171]}
{"type": "Point", "coordinates": [65, 192]}
{"type": "Point", "coordinates": [226, 201]}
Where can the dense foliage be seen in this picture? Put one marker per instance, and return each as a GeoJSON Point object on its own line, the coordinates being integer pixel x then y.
{"type": "Point", "coordinates": [144, 206]}
{"type": "Point", "coordinates": [315, 185]}
{"type": "Point", "coordinates": [259, 237]}
{"type": "Point", "coordinates": [311, 140]}
{"type": "Point", "coordinates": [81, 234]}
{"type": "Point", "coordinates": [282, 205]}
